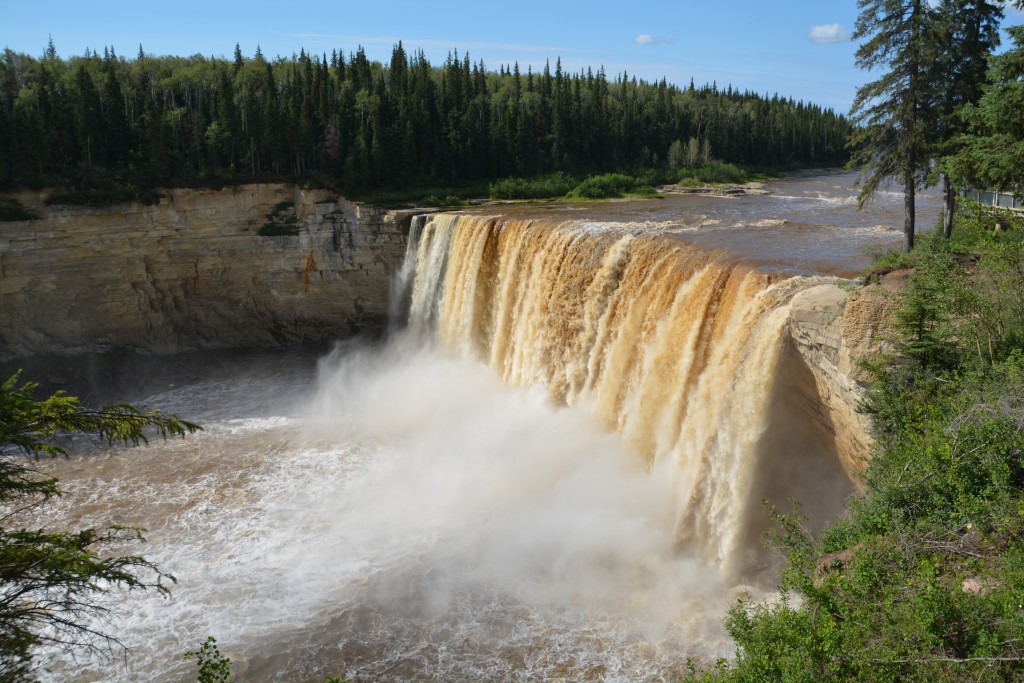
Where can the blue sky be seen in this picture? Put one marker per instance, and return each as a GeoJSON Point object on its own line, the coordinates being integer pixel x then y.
{"type": "Point", "coordinates": [799, 48]}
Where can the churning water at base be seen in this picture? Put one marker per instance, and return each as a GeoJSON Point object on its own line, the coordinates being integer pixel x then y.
{"type": "Point", "coordinates": [414, 520]}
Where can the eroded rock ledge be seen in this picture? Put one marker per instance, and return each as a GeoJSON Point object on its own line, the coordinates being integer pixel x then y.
{"type": "Point", "coordinates": [831, 329]}
{"type": "Point", "coordinates": [194, 271]}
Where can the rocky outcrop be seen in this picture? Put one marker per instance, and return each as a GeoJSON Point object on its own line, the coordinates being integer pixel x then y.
{"type": "Point", "coordinates": [194, 271]}
{"type": "Point", "coordinates": [831, 329]}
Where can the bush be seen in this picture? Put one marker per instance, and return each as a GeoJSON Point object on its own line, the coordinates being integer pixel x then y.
{"type": "Point", "coordinates": [213, 666]}
{"type": "Point", "coordinates": [714, 172]}
{"type": "Point", "coordinates": [282, 221]}
{"type": "Point", "coordinates": [611, 185]}
{"type": "Point", "coordinates": [544, 187]}
{"type": "Point", "coordinates": [440, 202]}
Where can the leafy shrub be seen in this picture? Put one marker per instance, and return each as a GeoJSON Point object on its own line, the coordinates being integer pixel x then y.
{"type": "Point", "coordinates": [544, 187]}
{"type": "Point", "coordinates": [448, 200]}
{"type": "Point", "coordinates": [714, 172]}
{"type": "Point", "coordinates": [213, 666]}
{"type": "Point", "coordinates": [611, 185]}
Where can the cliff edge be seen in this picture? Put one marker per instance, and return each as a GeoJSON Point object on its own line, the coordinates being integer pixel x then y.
{"type": "Point", "coordinates": [830, 330]}
{"type": "Point", "coordinates": [251, 266]}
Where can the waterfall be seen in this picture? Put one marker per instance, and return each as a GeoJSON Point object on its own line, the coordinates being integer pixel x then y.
{"type": "Point", "coordinates": [410, 518]}
{"type": "Point", "coordinates": [674, 347]}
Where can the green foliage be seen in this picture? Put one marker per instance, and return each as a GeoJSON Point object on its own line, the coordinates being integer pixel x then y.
{"type": "Point", "coordinates": [49, 579]}
{"type": "Point", "coordinates": [991, 153]}
{"type": "Point", "coordinates": [714, 172]}
{"type": "Point", "coordinates": [935, 298]}
{"type": "Point", "coordinates": [556, 185]}
{"type": "Point", "coordinates": [447, 200]}
{"type": "Point", "coordinates": [545, 187]}
{"type": "Point", "coordinates": [213, 666]}
{"type": "Point", "coordinates": [611, 185]}
{"type": "Point", "coordinates": [13, 210]}
{"type": "Point", "coordinates": [423, 196]}
{"type": "Point", "coordinates": [885, 262]}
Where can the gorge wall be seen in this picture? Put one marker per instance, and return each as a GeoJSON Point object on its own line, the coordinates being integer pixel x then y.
{"type": "Point", "coordinates": [193, 271]}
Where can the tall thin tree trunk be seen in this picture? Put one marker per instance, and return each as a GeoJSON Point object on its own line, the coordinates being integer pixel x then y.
{"type": "Point", "coordinates": [949, 195]}
{"type": "Point", "coordinates": [908, 210]}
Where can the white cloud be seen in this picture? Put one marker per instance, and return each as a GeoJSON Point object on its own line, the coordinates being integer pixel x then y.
{"type": "Point", "coordinates": [827, 34]}
{"type": "Point", "coordinates": [648, 39]}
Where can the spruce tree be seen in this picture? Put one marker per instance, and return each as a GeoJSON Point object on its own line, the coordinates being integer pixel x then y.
{"type": "Point", "coordinates": [991, 154]}
{"type": "Point", "coordinates": [968, 32]}
{"type": "Point", "coordinates": [895, 112]}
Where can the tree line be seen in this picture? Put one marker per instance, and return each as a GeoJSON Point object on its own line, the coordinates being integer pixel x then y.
{"type": "Point", "coordinates": [363, 124]}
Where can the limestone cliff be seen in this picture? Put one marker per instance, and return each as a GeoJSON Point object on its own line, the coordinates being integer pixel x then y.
{"type": "Point", "coordinates": [831, 329]}
{"type": "Point", "coordinates": [194, 271]}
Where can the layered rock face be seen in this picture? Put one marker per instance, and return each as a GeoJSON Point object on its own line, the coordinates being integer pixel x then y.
{"type": "Point", "coordinates": [194, 271]}
{"type": "Point", "coordinates": [830, 330]}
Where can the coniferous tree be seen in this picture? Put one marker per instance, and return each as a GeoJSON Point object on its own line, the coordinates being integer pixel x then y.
{"type": "Point", "coordinates": [991, 153]}
{"type": "Point", "coordinates": [894, 112]}
{"type": "Point", "coordinates": [968, 32]}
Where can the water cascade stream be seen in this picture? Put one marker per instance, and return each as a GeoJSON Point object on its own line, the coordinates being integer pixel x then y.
{"type": "Point", "coordinates": [672, 346]}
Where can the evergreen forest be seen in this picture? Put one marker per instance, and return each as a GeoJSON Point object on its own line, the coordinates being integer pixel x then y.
{"type": "Point", "coordinates": [102, 120]}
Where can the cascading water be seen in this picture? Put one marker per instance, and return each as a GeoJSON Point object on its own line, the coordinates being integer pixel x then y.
{"type": "Point", "coordinates": [553, 470]}
{"type": "Point", "coordinates": [675, 349]}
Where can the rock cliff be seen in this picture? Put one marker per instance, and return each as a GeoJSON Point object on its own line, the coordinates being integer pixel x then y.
{"type": "Point", "coordinates": [194, 271]}
{"type": "Point", "coordinates": [831, 329]}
